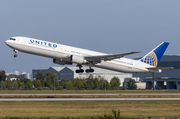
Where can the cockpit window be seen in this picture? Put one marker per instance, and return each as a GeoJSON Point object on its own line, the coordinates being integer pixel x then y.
{"type": "Point", "coordinates": [12, 39]}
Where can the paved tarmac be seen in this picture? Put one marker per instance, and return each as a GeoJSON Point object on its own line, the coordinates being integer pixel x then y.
{"type": "Point", "coordinates": [87, 99]}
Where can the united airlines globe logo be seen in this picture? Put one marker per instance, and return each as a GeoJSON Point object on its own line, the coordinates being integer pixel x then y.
{"type": "Point", "coordinates": [150, 59]}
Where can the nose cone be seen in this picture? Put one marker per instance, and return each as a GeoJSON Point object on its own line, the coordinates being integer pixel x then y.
{"type": "Point", "coordinates": [7, 42]}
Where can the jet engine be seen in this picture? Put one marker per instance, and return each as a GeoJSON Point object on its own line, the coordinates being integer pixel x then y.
{"type": "Point", "coordinates": [77, 59]}
{"type": "Point", "coordinates": [61, 62]}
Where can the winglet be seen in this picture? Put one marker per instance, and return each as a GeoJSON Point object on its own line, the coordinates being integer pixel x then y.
{"type": "Point", "coordinates": [153, 57]}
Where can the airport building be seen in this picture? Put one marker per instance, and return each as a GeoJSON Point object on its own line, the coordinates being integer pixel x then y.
{"type": "Point", "coordinates": [17, 76]}
{"type": "Point", "coordinates": [69, 73]}
{"type": "Point", "coordinates": [167, 79]}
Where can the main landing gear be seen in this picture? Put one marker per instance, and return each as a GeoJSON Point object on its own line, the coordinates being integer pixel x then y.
{"type": "Point", "coordinates": [81, 70]}
{"type": "Point", "coordinates": [15, 53]}
{"type": "Point", "coordinates": [89, 70]}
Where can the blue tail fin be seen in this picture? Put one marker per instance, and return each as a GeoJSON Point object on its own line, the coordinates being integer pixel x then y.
{"type": "Point", "coordinates": [153, 57]}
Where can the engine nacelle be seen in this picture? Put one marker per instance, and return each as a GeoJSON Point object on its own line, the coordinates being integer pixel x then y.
{"type": "Point", "coordinates": [61, 62]}
{"type": "Point", "coordinates": [77, 59]}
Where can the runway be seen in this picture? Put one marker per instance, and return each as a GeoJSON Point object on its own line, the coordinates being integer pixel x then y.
{"type": "Point", "coordinates": [86, 99]}
{"type": "Point", "coordinates": [9, 99]}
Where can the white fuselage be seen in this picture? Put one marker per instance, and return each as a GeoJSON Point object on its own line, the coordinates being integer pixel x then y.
{"type": "Point", "coordinates": [59, 51]}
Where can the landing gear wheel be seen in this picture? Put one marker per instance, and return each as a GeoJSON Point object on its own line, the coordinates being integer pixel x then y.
{"type": "Point", "coordinates": [15, 55]}
{"type": "Point", "coordinates": [80, 71]}
{"type": "Point", "coordinates": [89, 70]}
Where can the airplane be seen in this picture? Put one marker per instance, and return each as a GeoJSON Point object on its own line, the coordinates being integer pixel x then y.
{"type": "Point", "coordinates": [67, 55]}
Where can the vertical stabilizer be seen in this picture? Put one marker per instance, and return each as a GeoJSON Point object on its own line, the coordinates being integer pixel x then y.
{"type": "Point", "coordinates": [153, 57]}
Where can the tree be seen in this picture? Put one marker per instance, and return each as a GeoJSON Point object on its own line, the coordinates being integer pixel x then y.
{"type": "Point", "coordinates": [25, 80]}
{"type": "Point", "coordinates": [14, 84]}
{"type": "Point", "coordinates": [101, 82]}
{"type": "Point", "coordinates": [84, 83]}
{"type": "Point", "coordinates": [90, 82]}
{"type": "Point", "coordinates": [2, 77]}
{"type": "Point", "coordinates": [22, 85]}
{"type": "Point", "coordinates": [68, 85]}
{"type": "Point", "coordinates": [56, 83]}
{"type": "Point", "coordinates": [40, 76]}
{"type": "Point", "coordinates": [38, 84]}
{"type": "Point", "coordinates": [8, 84]}
{"type": "Point", "coordinates": [3, 85]}
{"type": "Point", "coordinates": [19, 83]}
{"type": "Point", "coordinates": [78, 84]}
{"type": "Point", "coordinates": [96, 83]}
{"type": "Point", "coordinates": [106, 85]}
{"type": "Point", "coordinates": [34, 83]}
{"type": "Point", "coordinates": [115, 83]}
{"type": "Point", "coordinates": [50, 78]}
{"type": "Point", "coordinates": [62, 83]}
{"type": "Point", "coordinates": [29, 84]}
{"type": "Point", "coordinates": [131, 84]}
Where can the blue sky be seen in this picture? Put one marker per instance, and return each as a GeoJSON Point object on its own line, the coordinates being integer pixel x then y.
{"type": "Point", "coordinates": [112, 27]}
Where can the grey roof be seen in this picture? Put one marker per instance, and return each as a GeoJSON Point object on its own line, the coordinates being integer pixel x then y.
{"type": "Point", "coordinates": [58, 68]}
{"type": "Point", "coordinates": [96, 70]}
{"type": "Point", "coordinates": [171, 58]}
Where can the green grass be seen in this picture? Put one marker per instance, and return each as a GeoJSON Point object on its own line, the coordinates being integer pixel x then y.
{"type": "Point", "coordinates": [90, 108]}
{"type": "Point", "coordinates": [103, 117]}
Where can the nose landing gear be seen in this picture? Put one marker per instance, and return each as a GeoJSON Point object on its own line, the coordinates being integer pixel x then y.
{"type": "Point", "coordinates": [15, 53]}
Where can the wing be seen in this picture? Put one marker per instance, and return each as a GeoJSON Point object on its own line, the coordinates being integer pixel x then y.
{"type": "Point", "coordinates": [97, 59]}
{"type": "Point", "coordinates": [155, 68]}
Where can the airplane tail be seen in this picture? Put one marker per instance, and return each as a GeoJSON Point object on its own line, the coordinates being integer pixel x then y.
{"type": "Point", "coordinates": [153, 57]}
